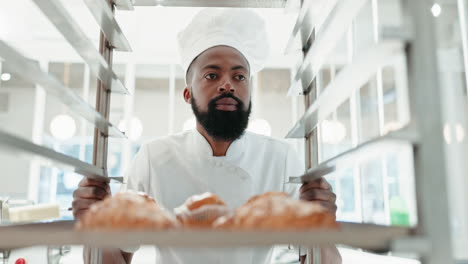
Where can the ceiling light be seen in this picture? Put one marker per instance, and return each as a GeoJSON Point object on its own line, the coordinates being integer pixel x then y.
{"type": "Point", "coordinates": [63, 127]}
{"type": "Point", "coordinates": [6, 76]}
{"type": "Point", "coordinates": [436, 10]}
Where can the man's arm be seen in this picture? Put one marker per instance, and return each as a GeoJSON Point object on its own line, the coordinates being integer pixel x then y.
{"type": "Point", "coordinates": [320, 191]}
{"type": "Point", "coordinates": [89, 192]}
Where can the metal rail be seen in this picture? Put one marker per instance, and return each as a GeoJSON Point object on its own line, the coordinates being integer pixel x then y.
{"type": "Point", "coordinates": [31, 71]}
{"type": "Point", "coordinates": [314, 12]}
{"type": "Point", "coordinates": [369, 150]}
{"type": "Point", "coordinates": [106, 20]}
{"type": "Point", "coordinates": [51, 157]}
{"type": "Point", "coordinates": [214, 3]}
{"type": "Point", "coordinates": [332, 30]}
{"type": "Point", "coordinates": [101, 141]}
{"type": "Point", "coordinates": [124, 4]}
{"type": "Point", "coordinates": [366, 236]}
{"type": "Point", "coordinates": [351, 78]}
{"type": "Point", "coordinates": [430, 161]}
{"type": "Point", "coordinates": [63, 21]}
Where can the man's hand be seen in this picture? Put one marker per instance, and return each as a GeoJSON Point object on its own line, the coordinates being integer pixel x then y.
{"type": "Point", "coordinates": [319, 191]}
{"type": "Point", "coordinates": [88, 192]}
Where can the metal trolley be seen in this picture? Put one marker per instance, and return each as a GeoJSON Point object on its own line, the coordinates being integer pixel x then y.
{"type": "Point", "coordinates": [410, 40]}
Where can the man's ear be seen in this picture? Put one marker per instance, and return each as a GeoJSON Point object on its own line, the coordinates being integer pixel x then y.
{"type": "Point", "coordinates": [187, 95]}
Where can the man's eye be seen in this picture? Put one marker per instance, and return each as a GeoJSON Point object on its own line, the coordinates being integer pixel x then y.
{"type": "Point", "coordinates": [211, 76]}
{"type": "Point", "coordinates": [240, 77]}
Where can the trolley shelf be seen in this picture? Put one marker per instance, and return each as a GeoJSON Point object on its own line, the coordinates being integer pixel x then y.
{"type": "Point", "coordinates": [330, 33]}
{"type": "Point", "coordinates": [371, 149]}
{"type": "Point", "coordinates": [311, 10]}
{"type": "Point", "coordinates": [31, 71]}
{"type": "Point", "coordinates": [351, 78]}
{"type": "Point", "coordinates": [214, 3]}
{"type": "Point", "coordinates": [63, 21]}
{"type": "Point", "coordinates": [124, 4]}
{"type": "Point", "coordinates": [106, 20]}
{"type": "Point", "coordinates": [51, 157]}
{"type": "Point", "coordinates": [366, 236]}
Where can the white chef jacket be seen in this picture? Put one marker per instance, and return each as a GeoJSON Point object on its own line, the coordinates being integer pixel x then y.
{"type": "Point", "coordinates": [173, 168]}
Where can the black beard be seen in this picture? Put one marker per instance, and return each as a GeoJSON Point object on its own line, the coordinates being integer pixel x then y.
{"type": "Point", "coordinates": [223, 125]}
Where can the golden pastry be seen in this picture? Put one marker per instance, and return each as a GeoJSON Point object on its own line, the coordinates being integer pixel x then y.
{"type": "Point", "coordinates": [277, 211]}
{"type": "Point", "coordinates": [200, 211]}
{"type": "Point", "coordinates": [126, 210]}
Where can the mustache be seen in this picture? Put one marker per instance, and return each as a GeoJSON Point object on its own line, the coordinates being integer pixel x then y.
{"type": "Point", "coordinates": [213, 101]}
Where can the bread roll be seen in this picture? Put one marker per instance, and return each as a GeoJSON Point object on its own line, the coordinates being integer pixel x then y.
{"type": "Point", "coordinates": [277, 211]}
{"type": "Point", "coordinates": [200, 211]}
{"type": "Point", "coordinates": [197, 201]}
{"type": "Point", "coordinates": [126, 210]}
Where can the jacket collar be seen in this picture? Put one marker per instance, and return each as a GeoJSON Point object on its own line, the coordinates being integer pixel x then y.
{"type": "Point", "coordinates": [202, 147]}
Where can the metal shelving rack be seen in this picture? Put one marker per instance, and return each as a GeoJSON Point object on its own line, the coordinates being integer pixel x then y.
{"type": "Point", "coordinates": [99, 63]}
{"type": "Point", "coordinates": [430, 239]}
{"type": "Point", "coordinates": [414, 39]}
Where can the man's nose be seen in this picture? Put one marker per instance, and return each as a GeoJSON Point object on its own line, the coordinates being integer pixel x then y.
{"type": "Point", "coordinates": [226, 87]}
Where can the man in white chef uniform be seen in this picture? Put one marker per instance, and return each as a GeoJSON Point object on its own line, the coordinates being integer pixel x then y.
{"type": "Point", "coordinates": [221, 49]}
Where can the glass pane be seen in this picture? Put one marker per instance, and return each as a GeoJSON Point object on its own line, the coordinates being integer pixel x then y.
{"type": "Point", "coordinates": [342, 130]}
{"type": "Point", "coordinates": [363, 30]}
{"type": "Point", "coordinates": [344, 187]}
{"type": "Point", "coordinates": [335, 133]}
{"type": "Point", "coordinates": [369, 111]}
{"type": "Point", "coordinates": [373, 207]}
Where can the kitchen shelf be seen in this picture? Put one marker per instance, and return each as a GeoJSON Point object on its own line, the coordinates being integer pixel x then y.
{"type": "Point", "coordinates": [311, 15]}
{"type": "Point", "coordinates": [350, 79]}
{"type": "Point", "coordinates": [104, 16]}
{"type": "Point", "coordinates": [64, 23]}
{"type": "Point", "coordinates": [124, 4]}
{"type": "Point", "coordinates": [366, 236]}
{"type": "Point", "coordinates": [31, 71]}
{"type": "Point", "coordinates": [53, 158]}
{"type": "Point", "coordinates": [369, 150]}
{"type": "Point", "coordinates": [214, 3]}
{"type": "Point", "coordinates": [332, 30]}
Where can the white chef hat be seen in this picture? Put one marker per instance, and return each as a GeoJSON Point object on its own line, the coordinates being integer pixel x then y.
{"type": "Point", "coordinates": [239, 28]}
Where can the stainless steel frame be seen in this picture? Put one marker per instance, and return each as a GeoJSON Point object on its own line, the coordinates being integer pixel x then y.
{"type": "Point", "coordinates": [332, 30]}
{"type": "Point", "coordinates": [31, 71]}
{"type": "Point", "coordinates": [52, 158]}
{"type": "Point", "coordinates": [370, 237]}
{"type": "Point", "coordinates": [313, 253]}
{"type": "Point", "coordinates": [371, 149]}
{"type": "Point", "coordinates": [105, 18]}
{"type": "Point", "coordinates": [350, 79]}
{"type": "Point", "coordinates": [124, 4]}
{"type": "Point", "coordinates": [430, 163]}
{"type": "Point", "coordinates": [103, 96]}
{"type": "Point", "coordinates": [63, 21]}
{"type": "Point", "coordinates": [306, 22]}
{"type": "Point", "coordinates": [432, 238]}
{"type": "Point", "coordinates": [214, 3]}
